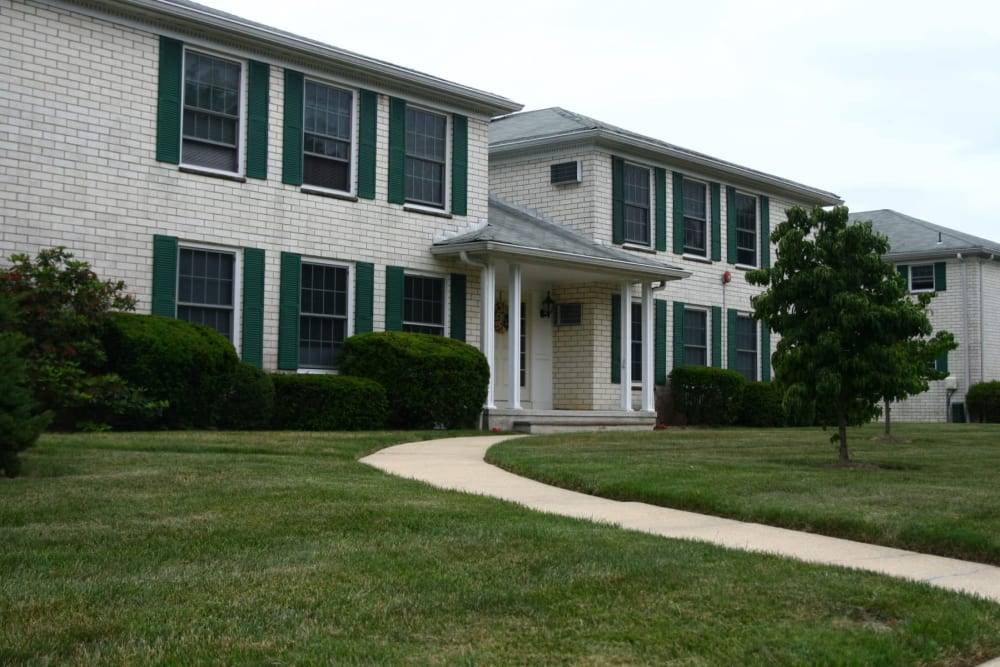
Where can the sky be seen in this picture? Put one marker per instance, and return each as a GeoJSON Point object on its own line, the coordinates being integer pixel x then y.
{"type": "Point", "coordinates": [887, 103]}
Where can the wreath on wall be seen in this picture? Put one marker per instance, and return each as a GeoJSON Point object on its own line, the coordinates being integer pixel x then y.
{"type": "Point", "coordinates": [500, 317]}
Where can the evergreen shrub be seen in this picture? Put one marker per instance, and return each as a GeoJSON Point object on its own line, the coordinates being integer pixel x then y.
{"type": "Point", "coordinates": [315, 402]}
{"type": "Point", "coordinates": [707, 396]}
{"type": "Point", "coordinates": [761, 405]}
{"type": "Point", "coordinates": [983, 402]}
{"type": "Point", "coordinates": [249, 404]}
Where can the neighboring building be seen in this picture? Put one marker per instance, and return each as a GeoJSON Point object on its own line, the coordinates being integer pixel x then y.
{"type": "Point", "coordinates": [641, 198]}
{"type": "Point", "coordinates": [964, 271]}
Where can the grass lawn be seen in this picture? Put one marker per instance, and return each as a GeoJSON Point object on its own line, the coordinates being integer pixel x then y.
{"type": "Point", "coordinates": [937, 491]}
{"type": "Point", "coordinates": [280, 548]}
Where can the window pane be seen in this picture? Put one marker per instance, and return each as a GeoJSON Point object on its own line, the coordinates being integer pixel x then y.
{"type": "Point", "coordinates": [205, 288]}
{"type": "Point", "coordinates": [323, 321]}
{"type": "Point", "coordinates": [423, 304]}
{"type": "Point", "coordinates": [636, 193]}
{"type": "Point", "coordinates": [211, 111]}
{"type": "Point", "coordinates": [746, 229]}
{"type": "Point", "coordinates": [327, 136]}
{"type": "Point", "coordinates": [694, 217]}
{"type": "Point", "coordinates": [636, 342]}
{"type": "Point", "coordinates": [746, 346]}
{"type": "Point", "coordinates": [922, 277]}
{"type": "Point", "coordinates": [695, 338]}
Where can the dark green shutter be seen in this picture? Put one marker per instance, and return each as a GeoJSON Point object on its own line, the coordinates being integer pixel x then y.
{"type": "Point", "coordinates": [164, 276]}
{"type": "Point", "coordinates": [942, 363]}
{"type": "Point", "coordinates": [367, 137]}
{"type": "Point", "coordinates": [731, 253]}
{"type": "Point", "coordinates": [660, 176]}
{"type": "Point", "coordinates": [716, 337]}
{"type": "Point", "coordinates": [459, 164]}
{"type": "Point", "coordinates": [394, 284]}
{"type": "Point", "coordinates": [291, 163]}
{"type": "Point", "coordinates": [904, 270]}
{"type": "Point", "coordinates": [364, 297]}
{"type": "Point", "coordinates": [940, 277]}
{"type": "Point", "coordinates": [716, 191]}
{"type": "Point", "coordinates": [678, 334]}
{"type": "Point", "coordinates": [678, 213]}
{"type": "Point", "coordinates": [617, 200]}
{"type": "Point", "coordinates": [397, 150]}
{"type": "Point", "coordinates": [731, 338]}
{"type": "Point", "coordinates": [253, 307]}
{"type": "Point", "coordinates": [290, 296]}
{"type": "Point", "coordinates": [616, 339]}
{"type": "Point", "coordinates": [765, 232]}
{"type": "Point", "coordinates": [660, 342]}
{"type": "Point", "coordinates": [458, 306]}
{"type": "Point", "coordinates": [765, 353]}
{"type": "Point", "coordinates": [258, 99]}
{"type": "Point", "coordinates": [168, 101]}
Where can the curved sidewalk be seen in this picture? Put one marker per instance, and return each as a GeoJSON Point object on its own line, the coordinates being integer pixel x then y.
{"type": "Point", "coordinates": [457, 464]}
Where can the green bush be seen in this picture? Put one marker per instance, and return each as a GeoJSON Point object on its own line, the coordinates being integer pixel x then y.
{"type": "Point", "coordinates": [761, 405]}
{"type": "Point", "coordinates": [191, 366]}
{"type": "Point", "coordinates": [319, 402]}
{"type": "Point", "coordinates": [983, 402]}
{"type": "Point", "coordinates": [705, 395]}
{"type": "Point", "coordinates": [430, 381]}
{"type": "Point", "coordinates": [249, 404]}
{"type": "Point", "coordinates": [19, 427]}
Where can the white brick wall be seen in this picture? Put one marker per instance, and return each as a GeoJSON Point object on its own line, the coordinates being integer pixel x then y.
{"type": "Point", "coordinates": [77, 168]}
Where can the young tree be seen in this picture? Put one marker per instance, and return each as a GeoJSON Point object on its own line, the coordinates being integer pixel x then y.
{"type": "Point", "coordinates": [915, 364]}
{"type": "Point", "coordinates": [840, 309]}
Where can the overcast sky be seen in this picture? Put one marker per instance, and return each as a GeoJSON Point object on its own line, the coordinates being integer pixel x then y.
{"type": "Point", "coordinates": [887, 103]}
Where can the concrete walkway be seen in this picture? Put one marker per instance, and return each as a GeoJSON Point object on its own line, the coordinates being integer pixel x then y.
{"type": "Point", "coordinates": [457, 463]}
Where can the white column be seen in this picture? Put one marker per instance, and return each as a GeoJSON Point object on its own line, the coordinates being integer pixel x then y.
{"type": "Point", "coordinates": [648, 348]}
{"type": "Point", "coordinates": [514, 338]}
{"type": "Point", "coordinates": [625, 316]}
{"type": "Point", "coordinates": [487, 288]}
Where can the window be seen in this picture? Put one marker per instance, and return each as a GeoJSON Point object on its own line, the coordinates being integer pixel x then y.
{"type": "Point", "coordinates": [746, 229]}
{"type": "Point", "coordinates": [922, 278]}
{"type": "Point", "coordinates": [636, 342]}
{"type": "Point", "coordinates": [695, 218]}
{"type": "Point", "coordinates": [205, 289]}
{"type": "Point", "coordinates": [636, 194]}
{"type": "Point", "coordinates": [211, 126]}
{"type": "Point", "coordinates": [523, 361]}
{"type": "Point", "coordinates": [323, 315]}
{"type": "Point", "coordinates": [746, 346]}
{"type": "Point", "coordinates": [327, 127]}
{"type": "Point", "coordinates": [695, 337]}
{"type": "Point", "coordinates": [423, 304]}
{"type": "Point", "coordinates": [426, 151]}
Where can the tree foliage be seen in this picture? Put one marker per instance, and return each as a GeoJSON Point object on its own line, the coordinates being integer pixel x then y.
{"type": "Point", "coordinates": [914, 361]}
{"type": "Point", "coordinates": [841, 311]}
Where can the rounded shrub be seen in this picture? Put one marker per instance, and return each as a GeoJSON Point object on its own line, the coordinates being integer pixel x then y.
{"type": "Point", "coordinates": [431, 381]}
{"type": "Point", "coordinates": [983, 402]}
{"type": "Point", "coordinates": [249, 404]}
{"type": "Point", "coordinates": [317, 402]}
{"type": "Point", "coordinates": [191, 366]}
{"type": "Point", "coordinates": [710, 396]}
{"type": "Point", "coordinates": [762, 405]}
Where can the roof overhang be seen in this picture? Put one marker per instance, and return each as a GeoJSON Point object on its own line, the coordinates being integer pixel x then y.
{"type": "Point", "coordinates": [950, 253]}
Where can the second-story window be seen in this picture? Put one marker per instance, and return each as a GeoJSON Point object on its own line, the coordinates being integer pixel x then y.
{"type": "Point", "coordinates": [211, 127]}
{"type": "Point", "coordinates": [426, 157]}
{"type": "Point", "coordinates": [746, 229]}
{"type": "Point", "coordinates": [695, 218]}
{"type": "Point", "coordinates": [636, 204]}
{"type": "Point", "coordinates": [327, 125]}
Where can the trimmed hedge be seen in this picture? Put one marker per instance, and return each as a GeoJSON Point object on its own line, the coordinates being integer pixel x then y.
{"type": "Point", "coordinates": [761, 405]}
{"type": "Point", "coordinates": [430, 381]}
{"type": "Point", "coordinates": [316, 402]}
{"type": "Point", "coordinates": [249, 404]}
{"type": "Point", "coordinates": [709, 396]}
{"type": "Point", "coordinates": [983, 402]}
{"type": "Point", "coordinates": [191, 366]}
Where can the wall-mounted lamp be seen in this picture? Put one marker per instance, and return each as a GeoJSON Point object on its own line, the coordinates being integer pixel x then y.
{"type": "Point", "coordinates": [548, 305]}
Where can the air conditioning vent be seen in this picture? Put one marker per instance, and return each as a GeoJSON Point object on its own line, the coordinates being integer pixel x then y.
{"type": "Point", "coordinates": [568, 314]}
{"type": "Point", "coordinates": [566, 172]}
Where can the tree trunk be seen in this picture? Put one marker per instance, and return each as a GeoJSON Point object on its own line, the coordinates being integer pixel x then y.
{"type": "Point", "coordinates": [842, 434]}
{"type": "Point", "coordinates": [888, 423]}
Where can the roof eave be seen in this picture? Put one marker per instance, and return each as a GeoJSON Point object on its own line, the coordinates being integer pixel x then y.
{"type": "Point", "coordinates": [616, 267]}
{"type": "Point", "coordinates": [357, 65]}
{"type": "Point", "coordinates": [703, 163]}
{"type": "Point", "coordinates": [949, 253]}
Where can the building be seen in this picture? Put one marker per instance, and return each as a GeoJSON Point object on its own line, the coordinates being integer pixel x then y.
{"type": "Point", "coordinates": [964, 272]}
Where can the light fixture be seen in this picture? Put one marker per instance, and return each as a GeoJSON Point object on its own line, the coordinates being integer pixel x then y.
{"type": "Point", "coordinates": [548, 305]}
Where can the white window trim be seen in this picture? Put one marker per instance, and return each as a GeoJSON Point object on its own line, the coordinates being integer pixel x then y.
{"type": "Point", "coordinates": [237, 285]}
{"type": "Point", "coordinates": [708, 331]}
{"type": "Point", "coordinates": [650, 209]}
{"type": "Point", "coordinates": [352, 178]}
{"type": "Point", "coordinates": [351, 276]}
{"type": "Point", "coordinates": [241, 126]}
{"type": "Point", "coordinates": [446, 296]}
{"type": "Point", "coordinates": [448, 130]}
{"type": "Point", "coordinates": [707, 221]}
{"type": "Point", "coordinates": [921, 290]}
{"type": "Point", "coordinates": [757, 233]}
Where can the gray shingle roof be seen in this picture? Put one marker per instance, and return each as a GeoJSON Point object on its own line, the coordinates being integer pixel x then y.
{"type": "Point", "coordinates": [909, 236]}
{"type": "Point", "coordinates": [520, 231]}
{"type": "Point", "coordinates": [546, 126]}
